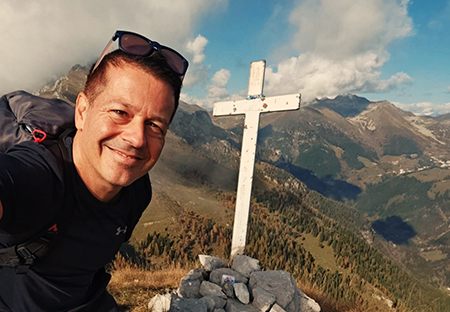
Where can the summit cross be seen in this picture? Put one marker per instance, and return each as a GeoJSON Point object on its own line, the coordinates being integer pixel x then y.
{"type": "Point", "coordinates": [255, 104]}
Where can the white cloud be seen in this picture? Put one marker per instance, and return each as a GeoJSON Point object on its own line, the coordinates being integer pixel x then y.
{"type": "Point", "coordinates": [316, 76]}
{"type": "Point", "coordinates": [197, 72]}
{"type": "Point", "coordinates": [338, 29]}
{"type": "Point", "coordinates": [196, 47]}
{"type": "Point", "coordinates": [425, 108]}
{"type": "Point", "coordinates": [221, 77]}
{"type": "Point", "coordinates": [217, 91]}
{"type": "Point", "coordinates": [343, 45]}
{"type": "Point", "coordinates": [42, 41]}
{"type": "Point", "coordinates": [448, 90]}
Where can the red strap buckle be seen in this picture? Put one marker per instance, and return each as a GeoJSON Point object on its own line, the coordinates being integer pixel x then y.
{"type": "Point", "coordinates": [54, 228]}
{"type": "Point", "coordinates": [39, 135]}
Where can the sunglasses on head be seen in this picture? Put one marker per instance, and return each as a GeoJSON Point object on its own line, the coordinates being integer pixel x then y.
{"type": "Point", "coordinates": [136, 44]}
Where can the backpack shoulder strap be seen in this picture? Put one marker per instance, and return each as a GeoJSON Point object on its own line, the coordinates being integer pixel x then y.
{"type": "Point", "coordinates": [22, 256]}
{"type": "Point", "coordinates": [61, 153]}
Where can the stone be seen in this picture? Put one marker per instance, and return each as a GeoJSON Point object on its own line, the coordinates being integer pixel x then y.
{"type": "Point", "coordinates": [219, 303]}
{"type": "Point", "coordinates": [241, 292]}
{"type": "Point", "coordinates": [228, 289]}
{"type": "Point", "coordinates": [245, 265]}
{"type": "Point", "coordinates": [204, 273]}
{"type": "Point", "coordinates": [235, 306]}
{"type": "Point", "coordinates": [190, 285]}
{"type": "Point", "coordinates": [178, 304]}
{"type": "Point", "coordinates": [308, 304]}
{"type": "Point", "coordinates": [280, 284]}
{"type": "Point", "coordinates": [160, 303]}
{"type": "Point", "coordinates": [210, 263]}
{"type": "Point", "coordinates": [210, 303]}
{"type": "Point", "coordinates": [211, 289]}
{"type": "Point", "coordinates": [219, 276]}
{"type": "Point", "coordinates": [277, 308]}
{"type": "Point", "coordinates": [262, 299]}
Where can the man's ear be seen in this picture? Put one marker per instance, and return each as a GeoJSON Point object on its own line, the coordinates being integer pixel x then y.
{"type": "Point", "coordinates": [80, 110]}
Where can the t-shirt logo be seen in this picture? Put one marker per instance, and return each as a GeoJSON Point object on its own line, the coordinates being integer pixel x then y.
{"type": "Point", "coordinates": [121, 230]}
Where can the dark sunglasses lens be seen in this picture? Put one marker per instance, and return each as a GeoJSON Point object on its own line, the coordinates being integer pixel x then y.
{"type": "Point", "coordinates": [135, 45]}
{"type": "Point", "coordinates": [174, 60]}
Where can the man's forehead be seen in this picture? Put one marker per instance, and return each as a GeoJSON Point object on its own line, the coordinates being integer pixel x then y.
{"type": "Point", "coordinates": [131, 86]}
{"type": "Point", "coordinates": [117, 72]}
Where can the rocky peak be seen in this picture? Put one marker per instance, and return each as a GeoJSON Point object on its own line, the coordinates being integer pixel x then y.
{"type": "Point", "coordinates": [67, 87]}
{"type": "Point", "coordinates": [347, 105]}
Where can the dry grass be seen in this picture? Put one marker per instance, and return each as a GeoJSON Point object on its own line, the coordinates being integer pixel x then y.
{"type": "Point", "coordinates": [326, 303]}
{"type": "Point", "coordinates": [134, 287]}
{"type": "Point", "coordinates": [329, 304]}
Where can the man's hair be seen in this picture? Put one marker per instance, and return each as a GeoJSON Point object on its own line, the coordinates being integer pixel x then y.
{"type": "Point", "coordinates": [154, 64]}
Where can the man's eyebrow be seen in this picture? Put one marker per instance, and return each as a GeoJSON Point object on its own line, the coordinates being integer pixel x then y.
{"type": "Point", "coordinates": [123, 103]}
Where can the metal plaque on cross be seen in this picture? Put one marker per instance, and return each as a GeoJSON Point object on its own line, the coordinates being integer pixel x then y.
{"type": "Point", "coordinates": [255, 104]}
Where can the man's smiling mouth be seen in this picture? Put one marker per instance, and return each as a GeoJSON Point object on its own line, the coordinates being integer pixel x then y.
{"type": "Point", "coordinates": [125, 155]}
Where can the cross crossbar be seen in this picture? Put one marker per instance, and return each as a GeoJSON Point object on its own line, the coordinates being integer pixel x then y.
{"type": "Point", "coordinates": [262, 105]}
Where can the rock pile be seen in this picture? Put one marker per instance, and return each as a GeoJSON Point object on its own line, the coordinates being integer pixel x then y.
{"type": "Point", "coordinates": [242, 288]}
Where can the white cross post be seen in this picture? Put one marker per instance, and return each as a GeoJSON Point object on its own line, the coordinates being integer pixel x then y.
{"type": "Point", "coordinates": [255, 104]}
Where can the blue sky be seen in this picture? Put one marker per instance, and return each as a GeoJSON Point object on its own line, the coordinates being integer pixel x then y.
{"type": "Point", "coordinates": [395, 50]}
{"type": "Point", "coordinates": [414, 46]}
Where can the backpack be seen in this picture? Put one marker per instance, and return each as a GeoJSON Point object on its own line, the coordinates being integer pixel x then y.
{"type": "Point", "coordinates": [25, 117]}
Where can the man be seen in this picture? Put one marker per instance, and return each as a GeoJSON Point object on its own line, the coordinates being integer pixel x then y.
{"type": "Point", "coordinates": [122, 117]}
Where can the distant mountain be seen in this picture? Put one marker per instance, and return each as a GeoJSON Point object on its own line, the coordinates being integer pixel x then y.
{"type": "Point", "coordinates": [348, 105]}
{"type": "Point", "coordinates": [443, 118]}
{"type": "Point", "coordinates": [194, 124]}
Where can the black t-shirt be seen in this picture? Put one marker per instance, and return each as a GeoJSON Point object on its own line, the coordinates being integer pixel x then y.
{"type": "Point", "coordinates": [31, 190]}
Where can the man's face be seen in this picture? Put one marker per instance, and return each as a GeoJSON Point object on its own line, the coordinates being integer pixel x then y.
{"type": "Point", "coordinates": [121, 133]}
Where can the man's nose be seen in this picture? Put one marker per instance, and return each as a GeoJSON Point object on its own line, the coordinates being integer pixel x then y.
{"type": "Point", "coordinates": [135, 134]}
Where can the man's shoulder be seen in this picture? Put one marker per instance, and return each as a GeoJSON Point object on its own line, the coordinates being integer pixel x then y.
{"type": "Point", "coordinates": [31, 187]}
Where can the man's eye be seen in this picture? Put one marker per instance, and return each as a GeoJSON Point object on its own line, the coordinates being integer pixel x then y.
{"type": "Point", "coordinates": [155, 127]}
{"type": "Point", "coordinates": [119, 112]}
{"type": "Point", "coordinates": [119, 116]}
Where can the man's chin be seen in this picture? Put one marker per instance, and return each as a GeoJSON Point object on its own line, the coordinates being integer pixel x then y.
{"type": "Point", "coordinates": [124, 179]}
